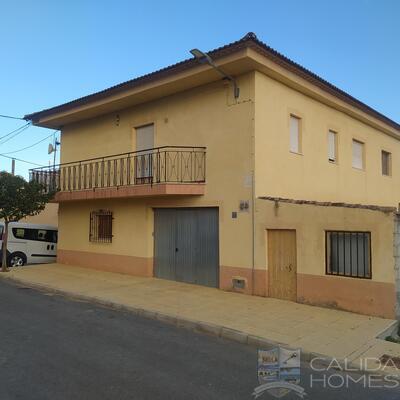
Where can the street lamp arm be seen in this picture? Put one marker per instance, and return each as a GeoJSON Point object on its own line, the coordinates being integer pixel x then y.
{"type": "Point", "coordinates": [204, 57]}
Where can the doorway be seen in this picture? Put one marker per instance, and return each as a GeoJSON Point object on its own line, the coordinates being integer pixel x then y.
{"type": "Point", "coordinates": [186, 245]}
{"type": "Point", "coordinates": [282, 264]}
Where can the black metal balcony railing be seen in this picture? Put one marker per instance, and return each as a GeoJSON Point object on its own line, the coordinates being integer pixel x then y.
{"type": "Point", "coordinates": [168, 164]}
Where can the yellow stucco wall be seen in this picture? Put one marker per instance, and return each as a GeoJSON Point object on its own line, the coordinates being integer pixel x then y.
{"type": "Point", "coordinates": [311, 222]}
{"type": "Point", "coordinates": [130, 236]}
{"type": "Point", "coordinates": [49, 216]}
{"type": "Point", "coordinates": [252, 133]}
{"type": "Point", "coordinates": [375, 296]}
{"type": "Point", "coordinates": [245, 137]}
{"type": "Point", "coordinates": [205, 116]}
{"type": "Point", "coordinates": [310, 175]}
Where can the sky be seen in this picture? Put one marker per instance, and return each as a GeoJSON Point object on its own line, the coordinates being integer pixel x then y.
{"type": "Point", "coordinates": [52, 52]}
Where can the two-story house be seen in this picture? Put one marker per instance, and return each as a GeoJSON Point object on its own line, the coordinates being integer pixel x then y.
{"type": "Point", "coordinates": [237, 169]}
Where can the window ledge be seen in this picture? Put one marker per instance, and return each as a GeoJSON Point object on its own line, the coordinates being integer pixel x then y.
{"type": "Point", "coordinates": [348, 276]}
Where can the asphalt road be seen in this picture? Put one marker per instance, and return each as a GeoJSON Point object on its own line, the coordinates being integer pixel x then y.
{"type": "Point", "coordinates": [56, 348]}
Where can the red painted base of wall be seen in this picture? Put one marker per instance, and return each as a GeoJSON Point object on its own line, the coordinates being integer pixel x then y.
{"type": "Point", "coordinates": [356, 295]}
{"type": "Point", "coordinates": [226, 274]}
{"type": "Point", "coordinates": [138, 266]}
{"type": "Point", "coordinates": [361, 296]}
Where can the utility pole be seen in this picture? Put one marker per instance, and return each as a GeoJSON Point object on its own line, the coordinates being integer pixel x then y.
{"type": "Point", "coordinates": [53, 149]}
{"type": "Point", "coordinates": [13, 166]}
{"type": "Point", "coordinates": [55, 152]}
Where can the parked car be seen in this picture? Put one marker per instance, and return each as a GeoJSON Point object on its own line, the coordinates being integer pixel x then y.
{"type": "Point", "coordinates": [30, 243]}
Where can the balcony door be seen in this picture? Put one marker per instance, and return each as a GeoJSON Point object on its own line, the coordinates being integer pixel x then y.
{"type": "Point", "coordinates": [144, 159]}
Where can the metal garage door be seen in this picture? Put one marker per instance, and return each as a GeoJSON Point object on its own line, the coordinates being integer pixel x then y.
{"type": "Point", "coordinates": [186, 245]}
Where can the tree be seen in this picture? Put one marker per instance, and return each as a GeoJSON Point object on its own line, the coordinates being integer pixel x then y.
{"type": "Point", "coordinates": [19, 199]}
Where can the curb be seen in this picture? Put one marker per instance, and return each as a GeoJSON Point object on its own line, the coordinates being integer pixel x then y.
{"type": "Point", "coordinates": [201, 327]}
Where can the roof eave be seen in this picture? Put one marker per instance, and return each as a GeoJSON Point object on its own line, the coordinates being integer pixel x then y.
{"type": "Point", "coordinates": [102, 103]}
{"type": "Point", "coordinates": [249, 41]}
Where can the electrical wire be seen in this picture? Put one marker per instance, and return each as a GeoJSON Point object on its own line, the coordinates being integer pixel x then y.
{"type": "Point", "coordinates": [24, 161]}
{"type": "Point", "coordinates": [28, 147]}
{"type": "Point", "coordinates": [11, 117]}
{"type": "Point", "coordinates": [15, 134]}
{"type": "Point", "coordinates": [23, 127]}
{"type": "Point", "coordinates": [25, 148]}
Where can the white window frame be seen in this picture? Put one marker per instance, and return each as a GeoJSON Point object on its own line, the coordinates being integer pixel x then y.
{"type": "Point", "coordinates": [295, 133]}
{"type": "Point", "coordinates": [389, 161]}
{"type": "Point", "coordinates": [358, 160]}
{"type": "Point", "coordinates": [332, 147]}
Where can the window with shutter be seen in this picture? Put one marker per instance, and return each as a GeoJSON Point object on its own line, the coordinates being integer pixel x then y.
{"type": "Point", "coordinates": [332, 146]}
{"type": "Point", "coordinates": [386, 163]}
{"type": "Point", "coordinates": [295, 138]}
{"type": "Point", "coordinates": [358, 154]}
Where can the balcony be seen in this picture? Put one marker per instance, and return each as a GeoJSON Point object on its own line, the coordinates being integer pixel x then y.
{"type": "Point", "coordinates": [162, 171]}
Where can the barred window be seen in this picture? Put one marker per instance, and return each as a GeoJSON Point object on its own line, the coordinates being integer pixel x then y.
{"type": "Point", "coordinates": [348, 254]}
{"type": "Point", "coordinates": [101, 226]}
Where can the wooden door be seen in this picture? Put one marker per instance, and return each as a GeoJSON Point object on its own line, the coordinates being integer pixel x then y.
{"type": "Point", "coordinates": [282, 264]}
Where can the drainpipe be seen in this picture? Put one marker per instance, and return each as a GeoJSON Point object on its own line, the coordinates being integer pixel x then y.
{"type": "Point", "coordinates": [253, 199]}
{"type": "Point", "coordinates": [253, 234]}
{"type": "Point", "coordinates": [396, 255]}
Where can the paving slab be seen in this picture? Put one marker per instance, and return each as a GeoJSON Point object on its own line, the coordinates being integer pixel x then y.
{"type": "Point", "coordinates": [332, 333]}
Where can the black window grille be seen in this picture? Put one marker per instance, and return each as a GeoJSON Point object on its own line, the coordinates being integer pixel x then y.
{"type": "Point", "coordinates": [348, 254]}
{"type": "Point", "coordinates": [101, 226]}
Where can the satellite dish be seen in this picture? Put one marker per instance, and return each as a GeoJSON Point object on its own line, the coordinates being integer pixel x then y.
{"type": "Point", "coordinates": [50, 149]}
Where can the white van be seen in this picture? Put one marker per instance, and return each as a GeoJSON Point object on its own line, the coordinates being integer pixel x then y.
{"type": "Point", "coordinates": [30, 243]}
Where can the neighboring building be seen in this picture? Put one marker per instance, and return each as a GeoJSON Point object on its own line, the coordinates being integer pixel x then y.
{"type": "Point", "coordinates": [172, 175]}
{"type": "Point", "coordinates": [49, 216]}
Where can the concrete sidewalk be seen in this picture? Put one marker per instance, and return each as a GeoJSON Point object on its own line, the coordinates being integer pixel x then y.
{"type": "Point", "coordinates": [255, 320]}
